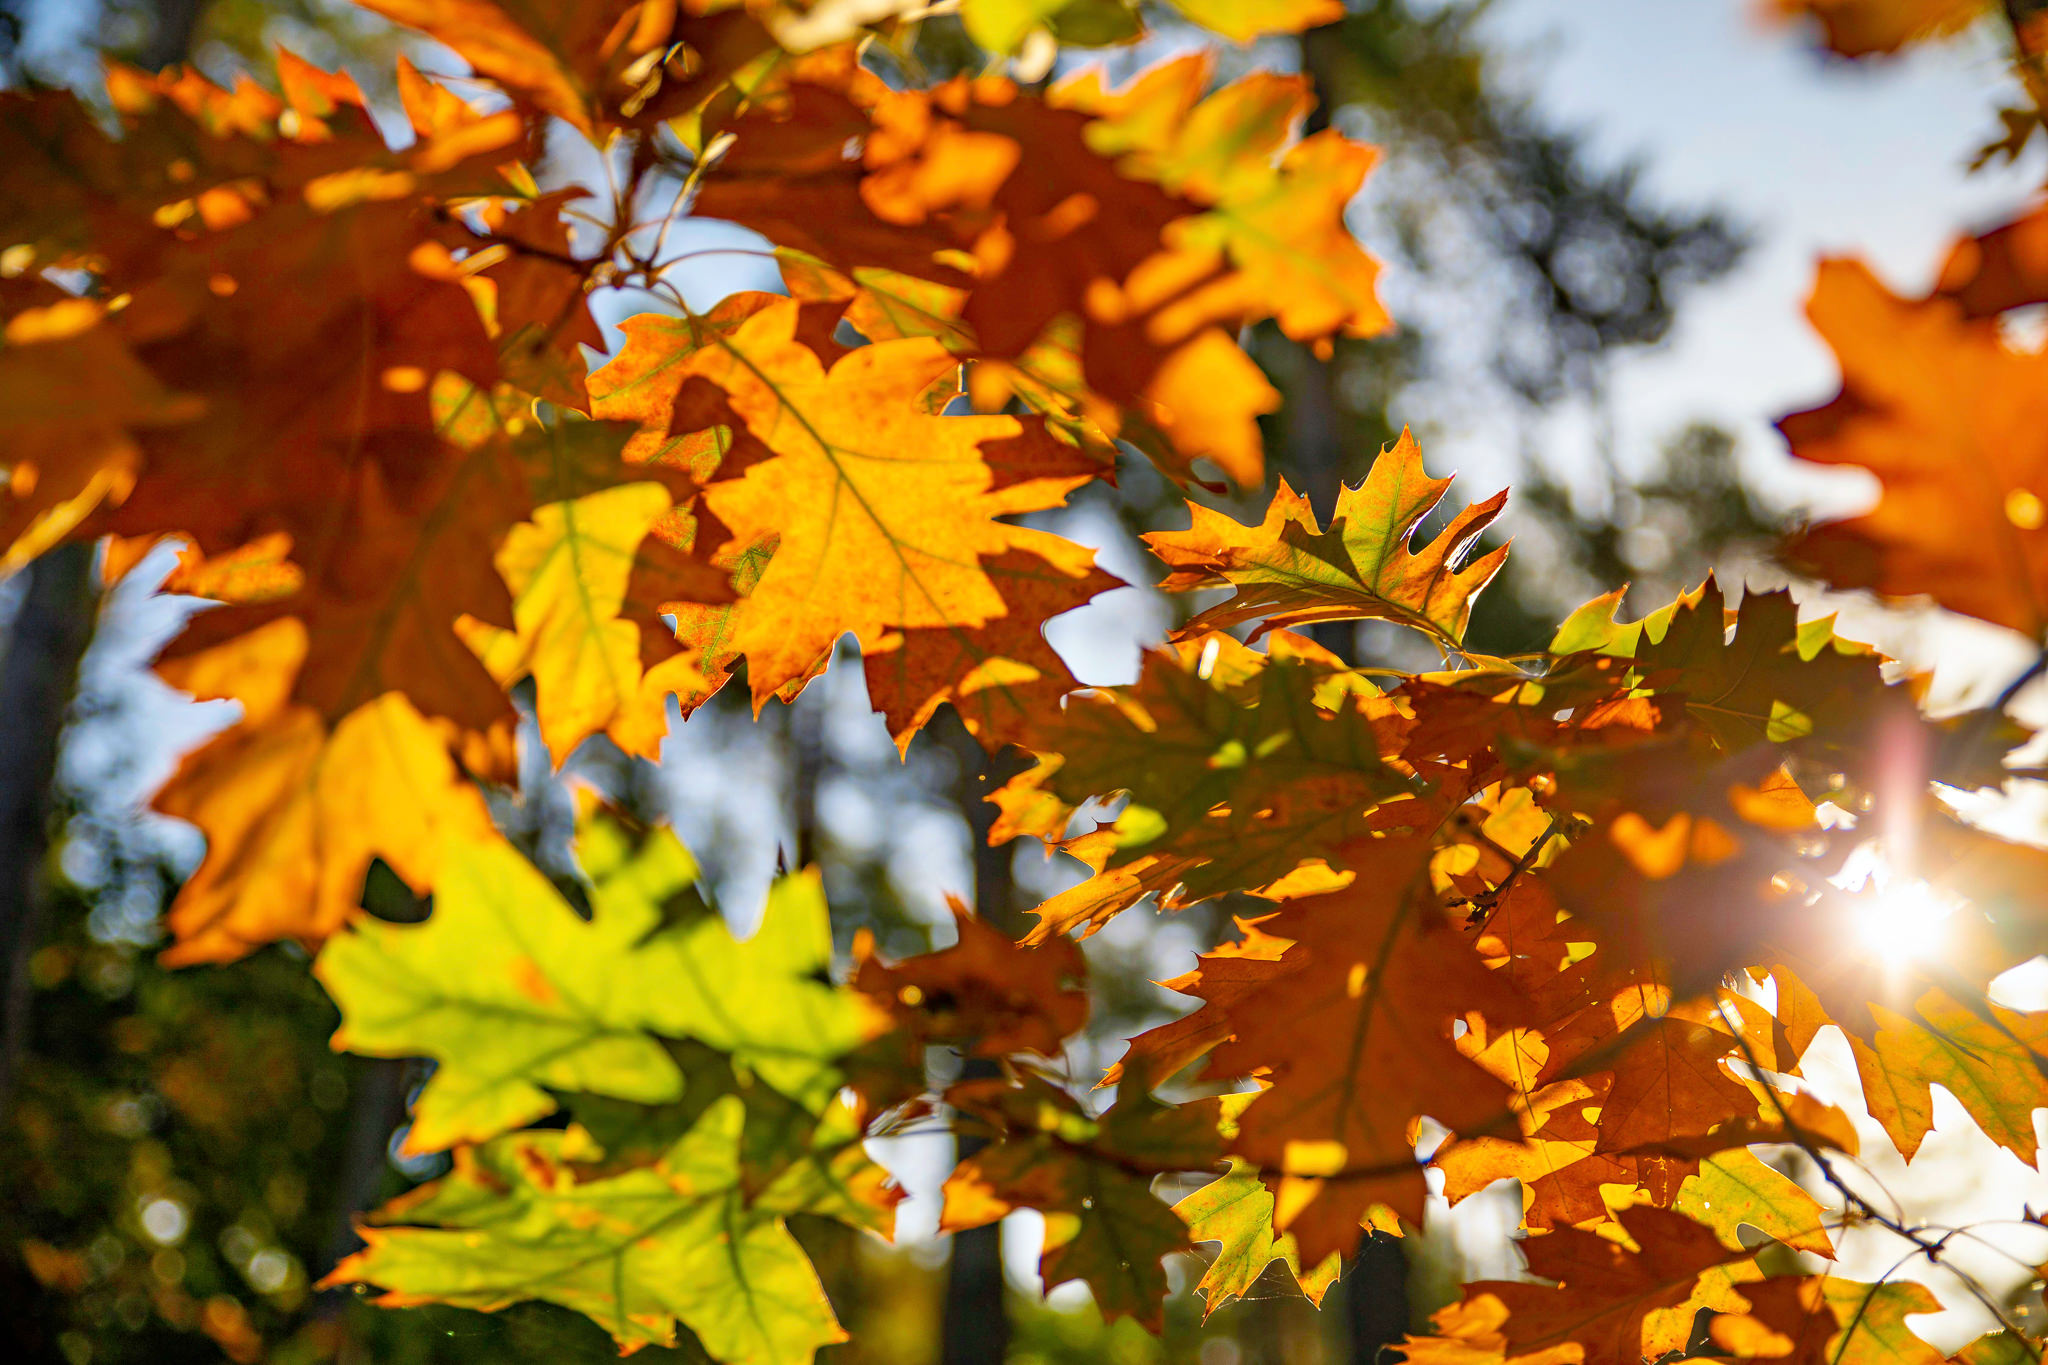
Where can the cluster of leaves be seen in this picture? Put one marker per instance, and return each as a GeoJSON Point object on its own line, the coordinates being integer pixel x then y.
{"type": "Point", "coordinates": [1584, 909]}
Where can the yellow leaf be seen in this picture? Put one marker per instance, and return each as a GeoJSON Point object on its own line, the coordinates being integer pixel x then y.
{"type": "Point", "coordinates": [568, 570]}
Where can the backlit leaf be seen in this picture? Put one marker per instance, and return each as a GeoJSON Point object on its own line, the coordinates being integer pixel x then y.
{"type": "Point", "coordinates": [1289, 571]}
{"type": "Point", "coordinates": [515, 996]}
{"type": "Point", "coordinates": [673, 1241]}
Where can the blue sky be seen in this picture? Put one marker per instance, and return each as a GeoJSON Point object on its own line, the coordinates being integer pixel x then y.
{"type": "Point", "coordinates": [1818, 156]}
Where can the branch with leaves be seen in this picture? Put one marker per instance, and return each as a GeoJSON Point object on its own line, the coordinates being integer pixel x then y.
{"type": "Point", "coordinates": [352, 383]}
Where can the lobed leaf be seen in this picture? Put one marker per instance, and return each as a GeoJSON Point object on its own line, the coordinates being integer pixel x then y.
{"type": "Point", "coordinates": [517, 997]}
{"type": "Point", "coordinates": [1289, 571]}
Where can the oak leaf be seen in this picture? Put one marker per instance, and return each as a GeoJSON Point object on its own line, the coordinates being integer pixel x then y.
{"type": "Point", "coordinates": [674, 1241]}
{"type": "Point", "coordinates": [1090, 1176]}
{"type": "Point", "coordinates": [1272, 239]}
{"type": "Point", "coordinates": [1734, 1189]}
{"type": "Point", "coordinates": [1353, 1026]}
{"type": "Point", "coordinates": [70, 395]}
{"type": "Point", "coordinates": [1611, 1304]}
{"type": "Point", "coordinates": [295, 813]}
{"type": "Point", "coordinates": [884, 512]}
{"type": "Point", "coordinates": [1243, 20]}
{"type": "Point", "coordinates": [1234, 782]}
{"type": "Point", "coordinates": [986, 992]}
{"type": "Point", "coordinates": [1002, 678]}
{"type": "Point", "coordinates": [1999, 270]}
{"type": "Point", "coordinates": [1228, 972]}
{"type": "Point", "coordinates": [1825, 1320]}
{"type": "Point", "coordinates": [1000, 25]}
{"type": "Point", "coordinates": [1236, 1211]}
{"type": "Point", "coordinates": [1870, 28]}
{"type": "Point", "coordinates": [1289, 571]}
{"type": "Point", "coordinates": [568, 60]}
{"type": "Point", "coordinates": [1993, 1059]}
{"type": "Point", "coordinates": [515, 996]}
{"type": "Point", "coordinates": [1947, 415]}
{"type": "Point", "coordinates": [569, 571]}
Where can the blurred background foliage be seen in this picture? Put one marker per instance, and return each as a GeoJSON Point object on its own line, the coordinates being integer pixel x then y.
{"type": "Point", "coordinates": [182, 1153]}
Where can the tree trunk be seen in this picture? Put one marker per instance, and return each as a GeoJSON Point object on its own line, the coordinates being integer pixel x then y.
{"type": "Point", "coordinates": [170, 36]}
{"type": "Point", "coordinates": [1375, 1298]}
{"type": "Point", "coordinates": [376, 1108]}
{"type": "Point", "coordinates": [37, 679]}
{"type": "Point", "coordinates": [977, 1324]}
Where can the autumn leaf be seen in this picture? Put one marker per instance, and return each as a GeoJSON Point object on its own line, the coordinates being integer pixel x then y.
{"type": "Point", "coordinates": [1869, 28]}
{"type": "Point", "coordinates": [1000, 25]}
{"type": "Point", "coordinates": [1825, 1320]}
{"type": "Point", "coordinates": [1557, 1163]}
{"type": "Point", "coordinates": [1202, 400]}
{"type": "Point", "coordinates": [195, 158]}
{"type": "Point", "coordinates": [1773, 678]}
{"type": "Point", "coordinates": [1610, 1304]}
{"type": "Point", "coordinates": [565, 59]}
{"type": "Point", "coordinates": [1620, 1089]}
{"type": "Point", "coordinates": [671, 1242]}
{"type": "Point", "coordinates": [658, 380]}
{"type": "Point", "coordinates": [1734, 1189]}
{"type": "Point", "coordinates": [569, 570]}
{"type": "Point", "coordinates": [1994, 1060]}
{"type": "Point", "coordinates": [558, 1003]}
{"type": "Point", "coordinates": [1000, 678]}
{"type": "Point", "coordinates": [1946, 414]}
{"type": "Point", "coordinates": [347, 381]}
{"type": "Point", "coordinates": [1091, 1177]}
{"type": "Point", "coordinates": [644, 382]}
{"type": "Point", "coordinates": [1241, 21]}
{"type": "Point", "coordinates": [1272, 241]}
{"type": "Point", "coordinates": [1999, 270]}
{"type": "Point", "coordinates": [1235, 1210]}
{"type": "Point", "coordinates": [1156, 281]}
{"type": "Point", "coordinates": [1233, 968]}
{"type": "Point", "coordinates": [986, 992]}
{"type": "Point", "coordinates": [1668, 1081]}
{"type": "Point", "coordinates": [295, 813]}
{"type": "Point", "coordinates": [1353, 1027]}
{"type": "Point", "coordinates": [1288, 571]}
{"type": "Point", "coordinates": [784, 175]}
{"type": "Point", "coordinates": [70, 394]}
{"type": "Point", "coordinates": [1234, 780]}
{"type": "Point", "coordinates": [884, 511]}
{"type": "Point", "coordinates": [231, 300]}
{"type": "Point", "coordinates": [533, 297]}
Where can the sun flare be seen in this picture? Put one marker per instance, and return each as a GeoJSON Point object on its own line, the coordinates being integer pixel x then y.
{"type": "Point", "coordinates": [1902, 922]}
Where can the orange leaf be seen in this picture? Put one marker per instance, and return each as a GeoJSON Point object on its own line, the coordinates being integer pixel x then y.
{"type": "Point", "coordinates": [884, 512]}
{"type": "Point", "coordinates": [1288, 571]}
{"type": "Point", "coordinates": [1951, 420]}
{"type": "Point", "coordinates": [294, 813]}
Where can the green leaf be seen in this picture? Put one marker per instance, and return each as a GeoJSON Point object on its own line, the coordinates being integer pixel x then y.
{"type": "Point", "coordinates": [1243, 20]}
{"type": "Point", "coordinates": [1873, 1323]}
{"type": "Point", "coordinates": [1998, 1348]}
{"type": "Point", "coordinates": [1236, 1210]}
{"type": "Point", "coordinates": [1734, 1189]}
{"type": "Point", "coordinates": [1239, 766]}
{"type": "Point", "coordinates": [638, 1252]}
{"type": "Point", "coordinates": [1000, 25]}
{"type": "Point", "coordinates": [515, 996]}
